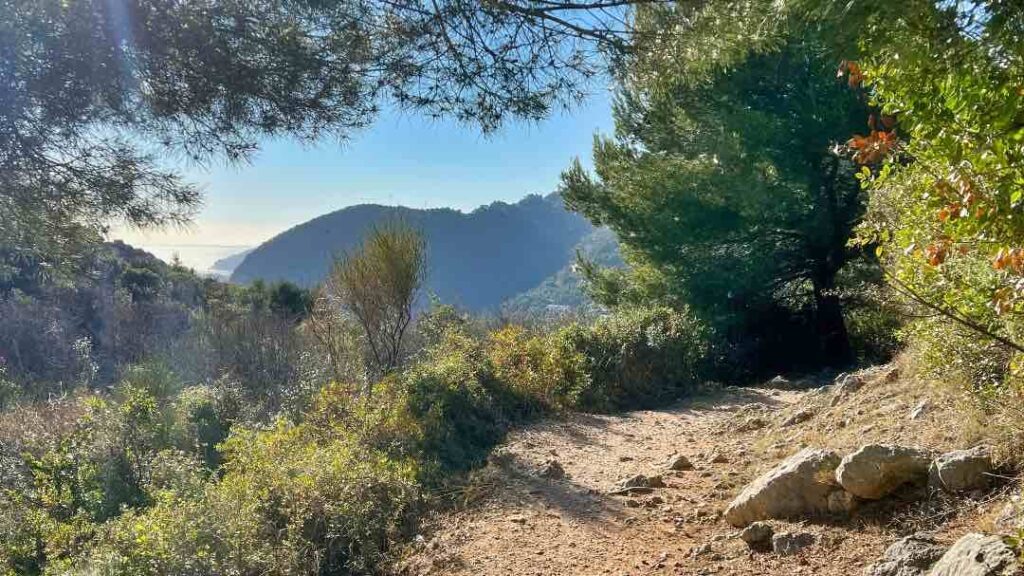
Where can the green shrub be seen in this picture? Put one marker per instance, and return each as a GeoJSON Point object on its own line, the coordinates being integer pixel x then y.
{"type": "Point", "coordinates": [202, 419]}
{"type": "Point", "coordinates": [445, 411]}
{"type": "Point", "coordinates": [291, 502]}
{"type": "Point", "coordinates": [873, 331]}
{"type": "Point", "coordinates": [156, 479]}
{"type": "Point", "coordinates": [525, 363]}
{"type": "Point", "coordinates": [636, 357]}
{"type": "Point", "coordinates": [20, 538]}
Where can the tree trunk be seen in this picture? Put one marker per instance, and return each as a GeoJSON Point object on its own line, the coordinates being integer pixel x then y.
{"type": "Point", "coordinates": [835, 340]}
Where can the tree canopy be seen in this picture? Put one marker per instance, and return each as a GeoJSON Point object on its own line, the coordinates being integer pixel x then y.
{"type": "Point", "coordinates": [94, 93]}
{"type": "Point", "coordinates": [731, 185]}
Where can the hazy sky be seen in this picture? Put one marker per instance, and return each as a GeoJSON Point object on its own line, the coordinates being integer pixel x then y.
{"type": "Point", "coordinates": [402, 159]}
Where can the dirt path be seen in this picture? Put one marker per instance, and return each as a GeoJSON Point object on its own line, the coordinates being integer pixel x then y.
{"type": "Point", "coordinates": [518, 522]}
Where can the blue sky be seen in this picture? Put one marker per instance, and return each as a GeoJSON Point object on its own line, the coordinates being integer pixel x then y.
{"type": "Point", "coordinates": [402, 159]}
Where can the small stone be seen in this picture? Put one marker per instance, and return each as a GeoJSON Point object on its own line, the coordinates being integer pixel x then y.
{"type": "Point", "coordinates": [679, 463]}
{"type": "Point", "coordinates": [801, 415]}
{"type": "Point", "coordinates": [701, 550]}
{"type": "Point", "coordinates": [718, 458]}
{"type": "Point", "coordinates": [919, 410]}
{"type": "Point", "coordinates": [639, 484]}
{"type": "Point", "coordinates": [638, 481]}
{"type": "Point", "coordinates": [517, 519]}
{"type": "Point", "coordinates": [758, 535]}
{"type": "Point", "coordinates": [789, 543]}
{"type": "Point", "coordinates": [845, 385]}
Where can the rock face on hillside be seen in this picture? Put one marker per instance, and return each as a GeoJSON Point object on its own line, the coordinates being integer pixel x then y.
{"type": "Point", "coordinates": [876, 470]}
{"type": "Point", "coordinates": [978, 555]}
{"type": "Point", "coordinates": [801, 486]}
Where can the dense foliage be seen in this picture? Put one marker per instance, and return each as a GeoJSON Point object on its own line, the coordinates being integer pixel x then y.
{"type": "Point", "coordinates": [729, 194]}
{"type": "Point", "coordinates": [946, 197]}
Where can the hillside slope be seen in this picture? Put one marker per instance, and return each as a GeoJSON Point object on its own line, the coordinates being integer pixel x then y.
{"type": "Point", "coordinates": [514, 520]}
{"type": "Point", "coordinates": [564, 289]}
{"type": "Point", "coordinates": [475, 260]}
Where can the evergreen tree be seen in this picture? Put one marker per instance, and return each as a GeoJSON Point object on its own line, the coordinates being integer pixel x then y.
{"type": "Point", "coordinates": [727, 188]}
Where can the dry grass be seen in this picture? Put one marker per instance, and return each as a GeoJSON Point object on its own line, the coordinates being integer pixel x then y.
{"type": "Point", "coordinates": [880, 412]}
{"type": "Point", "coordinates": [41, 423]}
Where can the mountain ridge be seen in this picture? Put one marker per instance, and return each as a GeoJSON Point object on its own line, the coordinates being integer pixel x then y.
{"type": "Point", "coordinates": [476, 259]}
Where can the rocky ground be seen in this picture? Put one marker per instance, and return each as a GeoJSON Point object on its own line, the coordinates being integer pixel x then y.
{"type": "Point", "coordinates": [647, 492]}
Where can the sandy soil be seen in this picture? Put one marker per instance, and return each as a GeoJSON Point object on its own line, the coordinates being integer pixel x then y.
{"type": "Point", "coordinates": [515, 521]}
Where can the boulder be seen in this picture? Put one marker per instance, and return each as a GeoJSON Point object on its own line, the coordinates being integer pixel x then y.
{"type": "Point", "coordinates": [798, 487]}
{"type": "Point", "coordinates": [961, 470]}
{"type": "Point", "coordinates": [788, 543]}
{"type": "Point", "coordinates": [910, 556]}
{"type": "Point", "coordinates": [978, 555]}
{"type": "Point", "coordinates": [758, 535]}
{"type": "Point", "coordinates": [875, 470]}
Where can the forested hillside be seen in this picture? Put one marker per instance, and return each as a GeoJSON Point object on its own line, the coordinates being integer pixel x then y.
{"type": "Point", "coordinates": [475, 260]}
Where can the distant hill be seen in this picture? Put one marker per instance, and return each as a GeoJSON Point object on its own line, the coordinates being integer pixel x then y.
{"type": "Point", "coordinates": [563, 290]}
{"type": "Point", "coordinates": [476, 260]}
{"type": "Point", "coordinates": [228, 264]}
